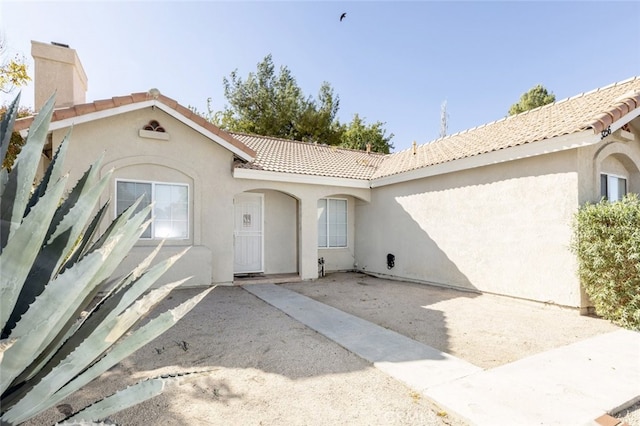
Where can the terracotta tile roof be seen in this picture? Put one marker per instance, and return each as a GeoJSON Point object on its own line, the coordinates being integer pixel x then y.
{"type": "Point", "coordinates": [594, 110]}
{"type": "Point", "coordinates": [287, 156]}
{"type": "Point", "coordinates": [105, 104]}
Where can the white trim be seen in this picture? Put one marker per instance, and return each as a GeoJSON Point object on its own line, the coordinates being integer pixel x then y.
{"type": "Point", "coordinates": [557, 144]}
{"type": "Point", "coordinates": [624, 120]}
{"type": "Point", "coordinates": [175, 114]}
{"type": "Point", "coordinates": [110, 112]}
{"type": "Point", "coordinates": [152, 134]}
{"type": "Point", "coordinates": [153, 197]}
{"type": "Point", "coordinates": [240, 173]}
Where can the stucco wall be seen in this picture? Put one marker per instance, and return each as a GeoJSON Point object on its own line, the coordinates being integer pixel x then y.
{"type": "Point", "coordinates": [502, 229]}
{"type": "Point", "coordinates": [187, 157]}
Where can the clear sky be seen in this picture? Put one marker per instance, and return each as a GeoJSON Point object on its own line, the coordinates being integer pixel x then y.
{"type": "Point", "coordinates": [394, 62]}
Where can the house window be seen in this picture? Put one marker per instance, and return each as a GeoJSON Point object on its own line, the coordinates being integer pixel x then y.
{"type": "Point", "coordinates": [332, 222]}
{"type": "Point", "coordinates": [612, 187]}
{"type": "Point", "coordinates": [170, 213]}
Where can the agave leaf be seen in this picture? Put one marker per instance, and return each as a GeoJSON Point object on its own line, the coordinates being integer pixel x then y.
{"type": "Point", "coordinates": [57, 248]}
{"type": "Point", "coordinates": [6, 126]}
{"type": "Point", "coordinates": [42, 395]}
{"type": "Point", "coordinates": [87, 237]}
{"type": "Point", "coordinates": [131, 231]}
{"type": "Point", "coordinates": [18, 255]}
{"type": "Point", "coordinates": [81, 330]}
{"type": "Point", "coordinates": [82, 188]}
{"type": "Point", "coordinates": [146, 281]}
{"type": "Point", "coordinates": [115, 226]}
{"type": "Point", "coordinates": [133, 395]}
{"type": "Point", "coordinates": [40, 320]}
{"type": "Point", "coordinates": [52, 174]}
{"type": "Point", "coordinates": [80, 213]}
{"type": "Point", "coordinates": [118, 325]}
{"type": "Point", "coordinates": [124, 240]}
{"type": "Point", "coordinates": [17, 190]}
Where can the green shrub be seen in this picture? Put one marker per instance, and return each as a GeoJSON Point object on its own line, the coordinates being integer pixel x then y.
{"type": "Point", "coordinates": [607, 242]}
{"type": "Point", "coordinates": [54, 264]}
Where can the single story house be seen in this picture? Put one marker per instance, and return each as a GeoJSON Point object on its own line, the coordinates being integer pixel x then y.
{"type": "Point", "coordinates": [489, 209]}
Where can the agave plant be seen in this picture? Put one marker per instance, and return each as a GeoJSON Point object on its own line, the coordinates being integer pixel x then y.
{"type": "Point", "coordinates": [54, 265]}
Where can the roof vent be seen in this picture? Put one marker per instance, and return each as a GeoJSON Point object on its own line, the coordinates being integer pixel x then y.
{"type": "Point", "coordinates": [55, 43]}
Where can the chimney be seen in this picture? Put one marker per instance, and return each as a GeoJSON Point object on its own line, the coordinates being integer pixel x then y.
{"type": "Point", "coordinates": [58, 69]}
{"type": "Point", "coordinates": [368, 148]}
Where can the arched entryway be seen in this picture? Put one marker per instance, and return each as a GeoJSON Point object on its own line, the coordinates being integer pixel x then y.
{"type": "Point", "coordinates": [265, 233]}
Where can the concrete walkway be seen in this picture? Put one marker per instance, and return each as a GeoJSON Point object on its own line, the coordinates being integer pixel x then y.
{"type": "Point", "coordinates": [570, 385]}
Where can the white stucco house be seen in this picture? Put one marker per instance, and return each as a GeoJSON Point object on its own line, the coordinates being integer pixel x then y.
{"type": "Point", "coordinates": [489, 209]}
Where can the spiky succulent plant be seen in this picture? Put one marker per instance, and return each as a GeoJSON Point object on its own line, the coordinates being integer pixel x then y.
{"type": "Point", "coordinates": [53, 265]}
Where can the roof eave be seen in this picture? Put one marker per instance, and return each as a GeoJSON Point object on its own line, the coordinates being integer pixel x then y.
{"type": "Point", "coordinates": [110, 112]}
{"type": "Point", "coordinates": [202, 130]}
{"type": "Point", "coordinates": [241, 173]}
{"type": "Point", "coordinates": [557, 144]}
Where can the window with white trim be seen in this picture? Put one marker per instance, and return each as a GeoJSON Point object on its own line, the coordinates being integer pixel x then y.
{"type": "Point", "coordinates": [612, 187]}
{"type": "Point", "coordinates": [170, 213]}
{"type": "Point", "coordinates": [332, 222]}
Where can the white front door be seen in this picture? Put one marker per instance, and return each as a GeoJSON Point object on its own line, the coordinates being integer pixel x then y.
{"type": "Point", "coordinates": [248, 235]}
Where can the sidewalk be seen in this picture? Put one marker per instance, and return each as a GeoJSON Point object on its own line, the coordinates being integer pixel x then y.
{"type": "Point", "coordinates": [570, 385]}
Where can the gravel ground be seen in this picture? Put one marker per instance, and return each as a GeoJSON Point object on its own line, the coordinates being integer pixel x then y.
{"type": "Point", "coordinates": [630, 415]}
{"type": "Point", "coordinates": [268, 369]}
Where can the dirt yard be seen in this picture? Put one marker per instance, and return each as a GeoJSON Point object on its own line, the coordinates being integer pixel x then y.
{"type": "Point", "coordinates": [268, 369]}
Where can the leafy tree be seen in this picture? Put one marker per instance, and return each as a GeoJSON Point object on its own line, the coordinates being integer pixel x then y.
{"type": "Point", "coordinates": [534, 98]}
{"type": "Point", "coordinates": [13, 72]}
{"type": "Point", "coordinates": [271, 104]}
{"type": "Point", "coordinates": [16, 142]}
{"type": "Point", "coordinates": [265, 104]}
{"type": "Point", "coordinates": [358, 134]}
{"type": "Point", "coordinates": [318, 122]}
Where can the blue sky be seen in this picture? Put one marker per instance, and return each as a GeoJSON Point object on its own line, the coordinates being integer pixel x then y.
{"type": "Point", "coordinates": [394, 62]}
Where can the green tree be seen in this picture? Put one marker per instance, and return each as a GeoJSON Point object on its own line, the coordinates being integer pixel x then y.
{"type": "Point", "coordinates": [358, 134]}
{"type": "Point", "coordinates": [272, 104]}
{"type": "Point", "coordinates": [264, 104]}
{"type": "Point", "coordinates": [534, 98]}
{"type": "Point", "coordinates": [318, 122]}
{"type": "Point", "coordinates": [13, 72]}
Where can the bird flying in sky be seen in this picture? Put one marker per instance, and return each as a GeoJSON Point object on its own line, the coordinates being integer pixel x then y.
{"type": "Point", "coordinates": [344, 15]}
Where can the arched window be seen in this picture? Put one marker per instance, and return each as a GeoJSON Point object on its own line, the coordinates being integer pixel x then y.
{"type": "Point", "coordinates": [154, 126]}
